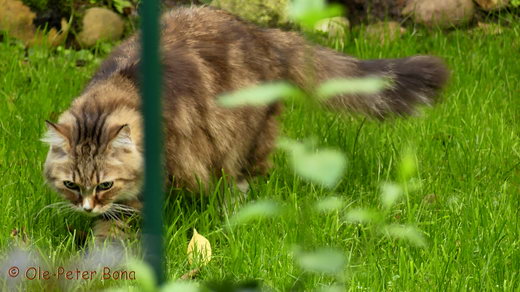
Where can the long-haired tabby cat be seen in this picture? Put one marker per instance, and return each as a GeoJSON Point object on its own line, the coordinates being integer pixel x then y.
{"type": "Point", "coordinates": [95, 158]}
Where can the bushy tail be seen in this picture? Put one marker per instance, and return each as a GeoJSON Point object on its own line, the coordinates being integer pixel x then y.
{"type": "Point", "coordinates": [413, 81]}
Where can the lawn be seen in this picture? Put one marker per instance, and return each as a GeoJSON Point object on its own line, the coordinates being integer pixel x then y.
{"type": "Point", "coordinates": [464, 196]}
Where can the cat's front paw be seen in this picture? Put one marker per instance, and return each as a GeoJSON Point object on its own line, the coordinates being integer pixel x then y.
{"type": "Point", "coordinates": [110, 230]}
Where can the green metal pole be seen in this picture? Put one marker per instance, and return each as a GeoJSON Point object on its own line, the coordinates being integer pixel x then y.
{"type": "Point", "coordinates": [152, 239]}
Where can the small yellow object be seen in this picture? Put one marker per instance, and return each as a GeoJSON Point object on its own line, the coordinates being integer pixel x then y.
{"type": "Point", "coordinates": [200, 248]}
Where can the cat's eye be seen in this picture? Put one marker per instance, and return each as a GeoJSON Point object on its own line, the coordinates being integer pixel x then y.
{"type": "Point", "coordinates": [70, 185]}
{"type": "Point", "coordinates": [105, 185]}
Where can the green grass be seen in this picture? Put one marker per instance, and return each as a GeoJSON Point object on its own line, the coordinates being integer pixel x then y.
{"type": "Point", "coordinates": [467, 150]}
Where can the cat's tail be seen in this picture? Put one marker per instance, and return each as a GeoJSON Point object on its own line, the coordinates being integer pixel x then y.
{"type": "Point", "coordinates": [412, 81]}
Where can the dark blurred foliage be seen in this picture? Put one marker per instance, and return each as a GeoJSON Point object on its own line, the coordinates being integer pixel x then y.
{"type": "Point", "coordinates": [49, 12]}
{"type": "Point", "coordinates": [362, 11]}
{"type": "Point", "coordinates": [232, 286]}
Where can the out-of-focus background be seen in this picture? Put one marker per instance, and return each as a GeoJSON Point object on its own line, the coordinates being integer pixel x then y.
{"type": "Point", "coordinates": [82, 24]}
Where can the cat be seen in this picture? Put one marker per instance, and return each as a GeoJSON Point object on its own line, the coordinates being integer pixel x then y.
{"type": "Point", "coordinates": [95, 158]}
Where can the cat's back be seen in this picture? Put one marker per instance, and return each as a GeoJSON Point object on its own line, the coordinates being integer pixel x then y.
{"type": "Point", "coordinates": [218, 50]}
{"type": "Point", "coordinates": [194, 24]}
{"type": "Point", "coordinates": [203, 44]}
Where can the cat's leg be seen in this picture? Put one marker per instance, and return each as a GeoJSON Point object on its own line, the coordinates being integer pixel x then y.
{"type": "Point", "coordinates": [237, 188]}
{"type": "Point", "coordinates": [114, 225]}
{"type": "Point", "coordinates": [109, 230]}
{"type": "Point", "coordinates": [243, 186]}
{"type": "Point", "coordinates": [266, 135]}
{"type": "Point", "coordinates": [258, 158]}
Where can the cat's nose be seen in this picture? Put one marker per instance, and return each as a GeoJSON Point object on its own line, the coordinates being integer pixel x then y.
{"type": "Point", "coordinates": [88, 204]}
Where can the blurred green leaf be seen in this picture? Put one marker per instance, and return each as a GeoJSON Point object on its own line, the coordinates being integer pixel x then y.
{"type": "Point", "coordinates": [323, 260]}
{"type": "Point", "coordinates": [335, 87]}
{"type": "Point", "coordinates": [334, 288]}
{"type": "Point", "coordinates": [407, 165]}
{"type": "Point", "coordinates": [362, 216]}
{"type": "Point", "coordinates": [390, 193]}
{"type": "Point", "coordinates": [259, 95]}
{"type": "Point", "coordinates": [120, 5]}
{"type": "Point", "coordinates": [144, 275]}
{"type": "Point", "coordinates": [255, 210]}
{"type": "Point", "coordinates": [180, 286]}
{"type": "Point", "coordinates": [330, 204]}
{"type": "Point", "coordinates": [405, 232]}
{"type": "Point", "coordinates": [324, 167]}
{"type": "Point", "coordinates": [308, 12]}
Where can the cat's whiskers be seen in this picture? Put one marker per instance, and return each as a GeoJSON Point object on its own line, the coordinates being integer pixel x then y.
{"type": "Point", "coordinates": [124, 209]}
{"type": "Point", "coordinates": [109, 214]}
{"type": "Point", "coordinates": [59, 207]}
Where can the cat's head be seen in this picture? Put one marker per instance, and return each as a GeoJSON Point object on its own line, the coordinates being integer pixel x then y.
{"type": "Point", "coordinates": [93, 162]}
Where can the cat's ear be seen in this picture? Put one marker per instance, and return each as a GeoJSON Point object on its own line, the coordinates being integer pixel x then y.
{"type": "Point", "coordinates": [57, 135]}
{"type": "Point", "coordinates": [120, 137]}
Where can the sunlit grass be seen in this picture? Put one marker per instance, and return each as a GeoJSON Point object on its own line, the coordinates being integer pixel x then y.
{"type": "Point", "coordinates": [466, 201]}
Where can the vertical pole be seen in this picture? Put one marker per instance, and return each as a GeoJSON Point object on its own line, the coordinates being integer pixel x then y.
{"type": "Point", "coordinates": [152, 238]}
